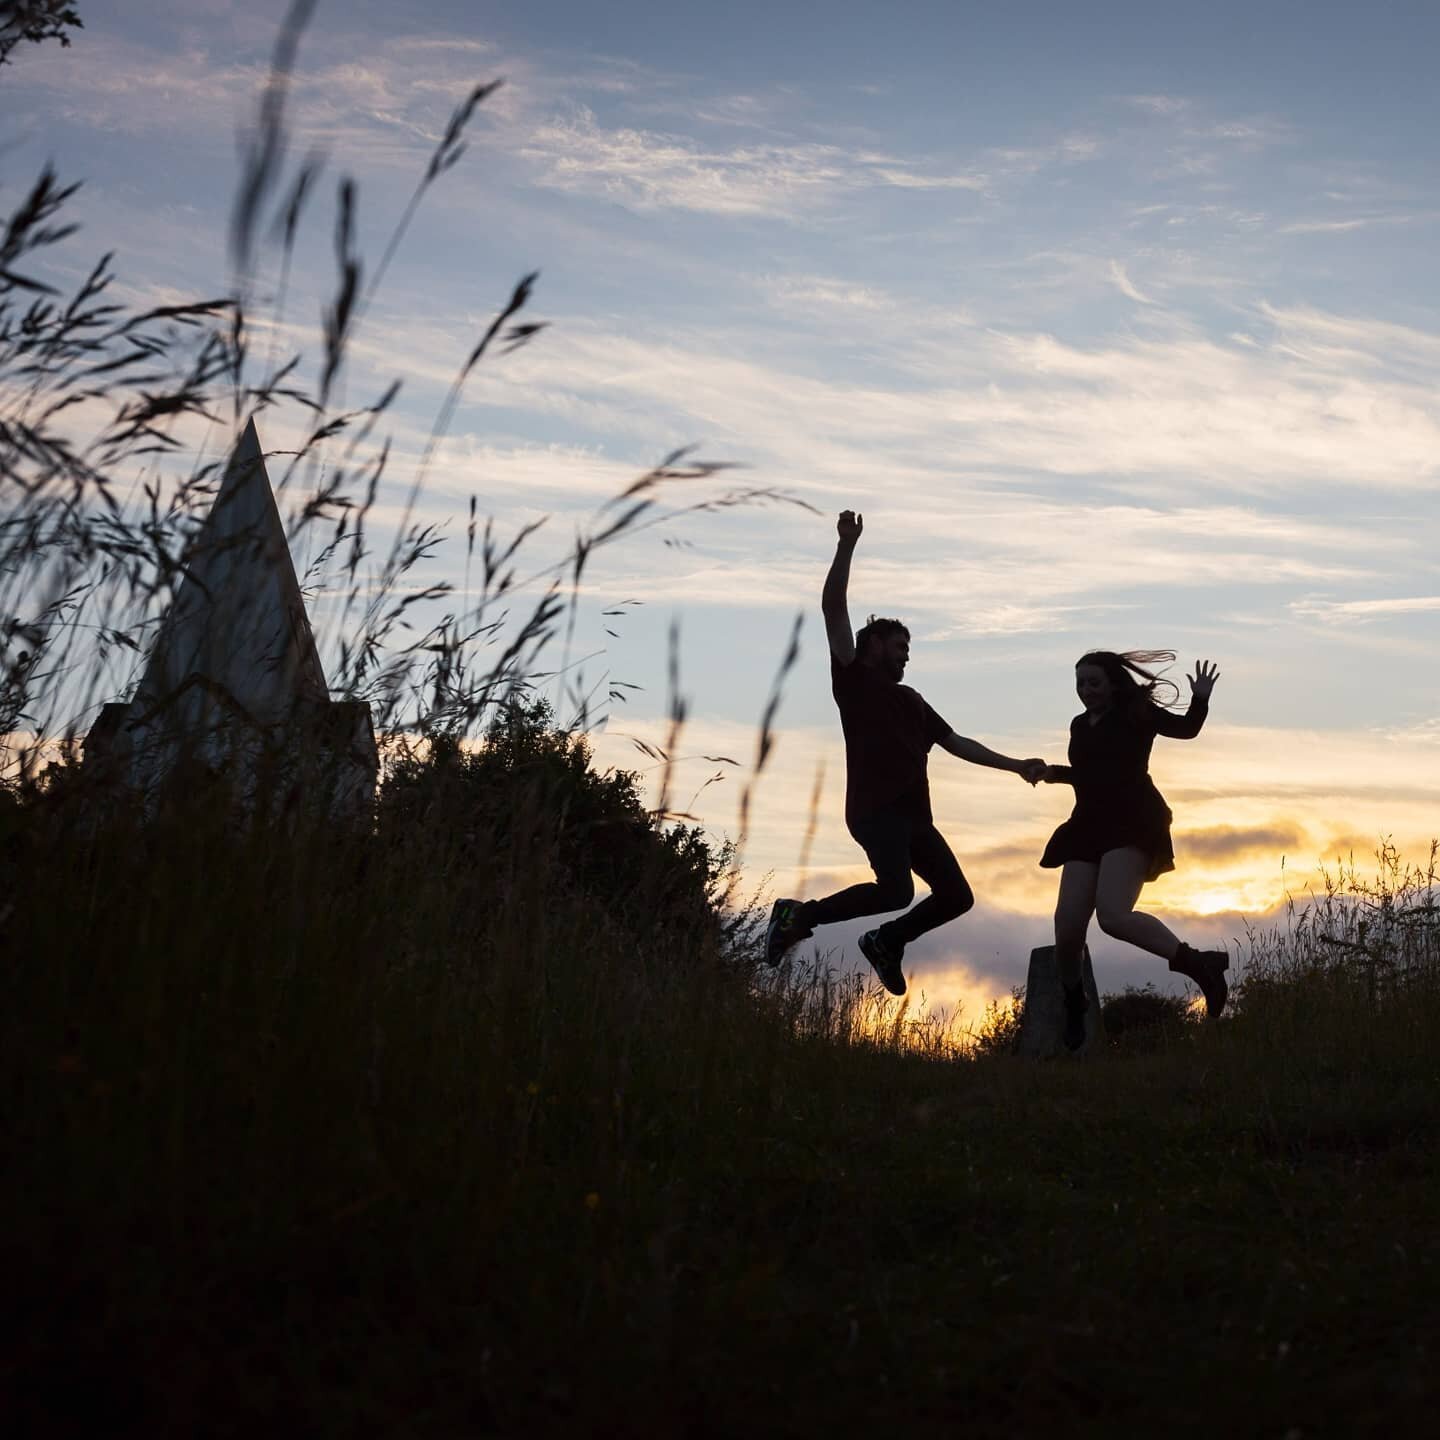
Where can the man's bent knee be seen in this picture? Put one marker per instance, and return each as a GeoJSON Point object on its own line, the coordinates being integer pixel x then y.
{"type": "Point", "coordinates": [895, 893]}
{"type": "Point", "coordinates": [960, 899]}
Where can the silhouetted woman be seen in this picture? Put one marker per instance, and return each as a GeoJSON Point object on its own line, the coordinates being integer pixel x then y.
{"type": "Point", "coordinates": [1118, 835]}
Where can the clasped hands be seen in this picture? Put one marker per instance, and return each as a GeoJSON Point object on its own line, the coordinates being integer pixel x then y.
{"type": "Point", "coordinates": [1032, 772]}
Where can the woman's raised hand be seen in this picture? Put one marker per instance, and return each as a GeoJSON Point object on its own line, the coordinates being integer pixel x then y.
{"type": "Point", "coordinates": [849, 526]}
{"type": "Point", "coordinates": [1202, 682]}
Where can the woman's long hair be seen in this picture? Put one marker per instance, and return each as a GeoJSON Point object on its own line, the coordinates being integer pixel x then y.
{"type": "Point", "coordinates": [1135, 682]}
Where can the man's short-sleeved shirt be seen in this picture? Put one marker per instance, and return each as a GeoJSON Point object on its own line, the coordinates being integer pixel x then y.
{"type": "Point", "coordinates": [889, 730]}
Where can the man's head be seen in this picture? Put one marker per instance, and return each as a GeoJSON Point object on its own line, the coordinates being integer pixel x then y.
{"type": "Point", "coordinates": [884, 644]}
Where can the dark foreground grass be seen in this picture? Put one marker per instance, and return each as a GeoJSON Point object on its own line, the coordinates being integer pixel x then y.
{"type": "Point", "coordinates": [306, 1133]}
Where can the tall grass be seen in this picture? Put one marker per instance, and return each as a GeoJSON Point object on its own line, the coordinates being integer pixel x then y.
{"type": "Point", "coordinates": [404, 1129]}
{"type": "Point", "coordinates": [116, 422]}
{"type": "Point", "coordinates": [415, 1071]}
{"type": "Point", "coordinates": [1351, 976]}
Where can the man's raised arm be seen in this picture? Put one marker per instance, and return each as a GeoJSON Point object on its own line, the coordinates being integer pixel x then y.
{"type": "Point", "coordinates": [833, 602]}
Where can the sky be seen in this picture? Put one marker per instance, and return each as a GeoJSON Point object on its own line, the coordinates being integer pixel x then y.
{"type": "Point", "coordinates": [1117, 322]}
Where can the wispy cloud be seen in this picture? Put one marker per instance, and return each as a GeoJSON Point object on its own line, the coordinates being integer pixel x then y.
{"type": "Point", "coordinates": [652, 170]}
{"type": "Point", "coordinates": [1361, 611]}
{"type": "Point", "coordinates": [1423, 732]}
{"type": "Point", "coordinates": [914, 180]}
{"type": "Point", "coordinates": [1167, 408]}
{"type": "Point", "coordinates": [825, 293]}
{"type": "Point", "coordinates": [1345, 226]}
{"type": "Point", "coordinates": [387, 100]}
{"type": "Point", "coordinates": [1126, 286]}
{"type": "Point", "coordinates": [1159, 104]}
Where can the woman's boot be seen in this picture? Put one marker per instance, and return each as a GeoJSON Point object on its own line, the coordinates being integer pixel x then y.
{"type": "Point", "coordinates": [1207, 969]}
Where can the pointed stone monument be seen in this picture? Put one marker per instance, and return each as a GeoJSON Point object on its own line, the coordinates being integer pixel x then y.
{"type": "Point", "coordinates": [1042, 1025]}
{"type": "Point", "coordinates": [234, 680]}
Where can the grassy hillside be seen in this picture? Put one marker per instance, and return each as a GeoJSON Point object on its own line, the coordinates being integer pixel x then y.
{"type": "Point", "coordinates": [419, 1134]}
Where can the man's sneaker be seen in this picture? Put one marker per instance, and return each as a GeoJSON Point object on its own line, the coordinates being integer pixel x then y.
{"type": "Point", "coordinates": [786, 928]}
{"type": "Point", "coordinates": [1075, 1007]}
{"type": "Point", "coordinates": [1207, 969]}
{"type": "Point", "coordinates": [885, 959]}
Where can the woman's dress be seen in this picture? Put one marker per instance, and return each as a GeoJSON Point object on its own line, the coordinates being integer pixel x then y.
{"type": "Point", "coordinates": [1116, 803]}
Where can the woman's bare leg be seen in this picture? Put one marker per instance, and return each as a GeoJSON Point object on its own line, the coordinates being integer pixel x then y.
{"type": "Point", "coordinates": [1117, 888]}
{"type": "Point", "coordinates": [1073, 909]}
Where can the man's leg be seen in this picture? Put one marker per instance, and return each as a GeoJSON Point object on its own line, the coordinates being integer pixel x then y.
{"type": "Point", "coordinates": [885, 838]}
{"type": "Point", "coordinates": [950, 893]}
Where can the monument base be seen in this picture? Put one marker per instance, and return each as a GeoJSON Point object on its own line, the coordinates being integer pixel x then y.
{"type": "Point", "coordinates": [1042, 1026]}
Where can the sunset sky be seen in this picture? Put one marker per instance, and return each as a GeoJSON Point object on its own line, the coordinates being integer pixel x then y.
{"type": "Point", "coordinates": [1118, 322]}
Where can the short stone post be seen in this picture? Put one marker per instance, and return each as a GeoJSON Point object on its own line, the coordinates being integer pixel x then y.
{"type": "Point", "coordinates": [1042, 1026]}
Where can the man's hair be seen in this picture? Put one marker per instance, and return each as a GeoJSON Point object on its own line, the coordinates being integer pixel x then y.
{"type": "Point", "coordinates": [879, 628]}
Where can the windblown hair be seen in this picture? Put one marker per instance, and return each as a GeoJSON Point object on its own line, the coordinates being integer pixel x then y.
{"type": "Point", "coordinates": [879, 628]}
{"type": "Point", "coordinates": [1135, 682]}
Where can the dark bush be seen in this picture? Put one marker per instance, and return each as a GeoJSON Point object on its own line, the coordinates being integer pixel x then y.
{"type": "Point", "coordinates": [529, 798]}
{"type": "Point", "coordinates": [1141, 1017]}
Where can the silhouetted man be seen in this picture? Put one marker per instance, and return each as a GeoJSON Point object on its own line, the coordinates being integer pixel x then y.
{"type": "Point", "coordinates": [889, 730]}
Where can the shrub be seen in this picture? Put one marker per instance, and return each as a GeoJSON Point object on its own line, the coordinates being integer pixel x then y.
{"type": "Point", "coordinates": [1141, 1017]}
{"type": "Point", "coordinates": [999, 1031]}
{"type": "Point", "coordinates": [528, 797]}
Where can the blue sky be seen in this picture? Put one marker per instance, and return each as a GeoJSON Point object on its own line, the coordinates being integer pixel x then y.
{"type": "Point", "coordinates": [1118, 321]}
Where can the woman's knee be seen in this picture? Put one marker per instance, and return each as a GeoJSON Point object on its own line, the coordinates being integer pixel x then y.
{"type": "Point", "coordinates": [1114, 919]}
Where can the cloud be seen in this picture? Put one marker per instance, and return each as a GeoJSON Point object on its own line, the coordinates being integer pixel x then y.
{"type": "Point", "coordinates": [1423, 732]}
{"type": "Point", "coordinates": [651, 170]}
{"type": "Point", "coordinates": [387, 99]}
{"type": "Point", "coordinates": [1250, 133]}
{"type": "Point", "coordinates": [1125, 285]}
{"type": "Point", "coordinates": [1340, 227]}
{"type": "Point", "coordinates": [826, 293]}
{"type": "Point", "coordinates": [910, 180]}
{"type": "Point", "coordinates": [1227, 842]}
{"type": "Point", "coordinates": [1360, 611]}
{"type": "Point", "coordinates": [1021, 162]}
{"type": "Point", "coordinates": [1159, 104]}
{"type": "Point", "coordinates": [1178, 406]}
{"type": "Point", "coordinates": [1340, 342]}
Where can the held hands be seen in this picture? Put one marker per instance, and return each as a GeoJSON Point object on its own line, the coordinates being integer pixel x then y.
{"type": "Point", "coordinates": [1202, 682]}
{"type": "Point", "coordinates": [849, 526]}
{"type": "Point", "coordinates": [1052, 774]}
{"type": "Point", "coordinates": [1032, 771]}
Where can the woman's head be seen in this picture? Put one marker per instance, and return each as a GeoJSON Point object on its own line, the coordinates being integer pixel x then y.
{"type": "Point", "coordinates": [1105, 678]}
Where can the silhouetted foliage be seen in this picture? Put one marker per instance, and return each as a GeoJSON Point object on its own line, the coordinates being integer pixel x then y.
{"type": "Point", "coordinates": [1142, 1017]}
{"type": "Point", "coordinates": [36, 21]}
{"type": "Point", "coordinates": [999, 1029]}
{"type": "Point", "coordinates": [529, 795]}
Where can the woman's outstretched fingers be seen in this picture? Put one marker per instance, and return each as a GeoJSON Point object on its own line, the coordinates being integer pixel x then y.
{"type": "Point", "coordinates": [1202, 682]}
